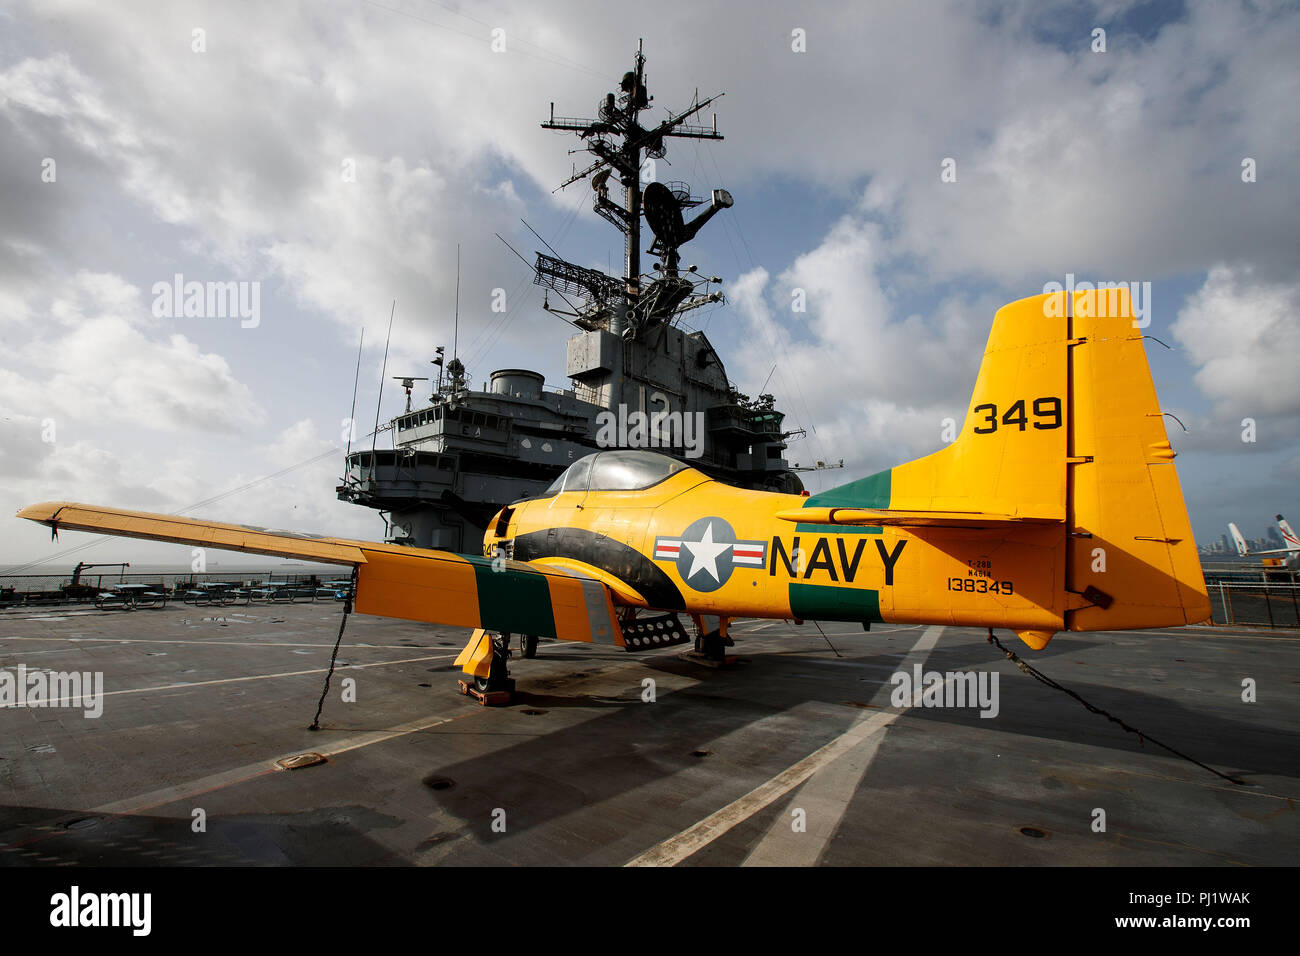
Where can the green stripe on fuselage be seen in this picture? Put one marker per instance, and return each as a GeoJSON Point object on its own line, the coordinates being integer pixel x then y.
{"type": "Point", "coordinates": [872, 491]}
{"type": "Point", "coordinates": [513, 602]}
{"type": "Point", "coordinates": [818, 602]}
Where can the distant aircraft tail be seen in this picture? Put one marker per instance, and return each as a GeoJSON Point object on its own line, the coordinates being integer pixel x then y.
{"type": "Point", "coordinates": [1064, 429]}
{"type": "Point", "coordinates": [1238, 540]}
{"type": "Point", "coordinates": [1289, 536]}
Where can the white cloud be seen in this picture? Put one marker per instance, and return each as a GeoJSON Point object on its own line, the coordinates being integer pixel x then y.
{"type": "Point", "coordinates": [878, 384]}
{"type": "Point", "coordinates": [1244, 338]}
{"type": "Point", "coordinates": [96, 363]}
{"type": "Point", "coordinates": [1125, 164]}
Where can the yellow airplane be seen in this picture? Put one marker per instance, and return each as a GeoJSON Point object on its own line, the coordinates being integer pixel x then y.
{"type": "Point", "coordinates": [1057, 508]}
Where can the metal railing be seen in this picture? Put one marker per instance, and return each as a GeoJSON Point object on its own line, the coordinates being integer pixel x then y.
{"type": "Point", "coordinates": [1256, 605]}
{"type": "Point", "coordinates": [30, 590]}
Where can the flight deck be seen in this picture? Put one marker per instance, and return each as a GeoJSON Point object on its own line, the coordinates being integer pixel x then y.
{"type": "Point", "coordinates": [799, 753]}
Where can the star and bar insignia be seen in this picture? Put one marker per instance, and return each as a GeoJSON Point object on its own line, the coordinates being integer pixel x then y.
{"type": "Point", "coordinates": [707, 553]}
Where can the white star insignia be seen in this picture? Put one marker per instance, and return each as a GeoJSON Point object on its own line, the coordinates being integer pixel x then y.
{"type": "Point", "coordinates": [705, 553]}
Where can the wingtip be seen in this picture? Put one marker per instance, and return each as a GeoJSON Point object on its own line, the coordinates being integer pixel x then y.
{"type": "Point", "coordinates": [43, 512]}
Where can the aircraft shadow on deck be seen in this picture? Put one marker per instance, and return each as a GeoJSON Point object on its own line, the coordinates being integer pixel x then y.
{"type": "Point", "coordinates": [643, 744]}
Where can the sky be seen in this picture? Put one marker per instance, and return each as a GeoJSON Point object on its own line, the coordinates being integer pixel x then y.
{"type": "Point", "coordinates": [333, 157]}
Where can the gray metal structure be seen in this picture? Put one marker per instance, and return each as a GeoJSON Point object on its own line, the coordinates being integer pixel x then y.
{"type": "Point", "coordinates": [457, 461]}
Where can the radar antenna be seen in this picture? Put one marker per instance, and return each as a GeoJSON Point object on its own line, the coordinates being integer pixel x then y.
{"type": "Point", "coordinates": [408, 383]}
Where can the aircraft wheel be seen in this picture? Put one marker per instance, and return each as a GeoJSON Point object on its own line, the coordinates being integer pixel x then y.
{"type": "Point", "coordinates": [528, 645]}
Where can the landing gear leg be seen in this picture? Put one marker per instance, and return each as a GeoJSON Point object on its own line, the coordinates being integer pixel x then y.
{"type": "Point", "coordinates": [711, 643]}
{"type": "Point", "coordinates": [528, 646]}
{"type": "Point", "coordinates": [484, 662]}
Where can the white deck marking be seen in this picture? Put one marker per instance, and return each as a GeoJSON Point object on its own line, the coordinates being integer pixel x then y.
{"type": "Point", "coordinates": [236, 680]}
{"type": "Point", "coordinates": [824, 798]}
{"type": "Point", "coordinates": [226, 778]}
{"type": "Point", "coordinates": [217, 781]}
{"type": "Point", "coordinates": [689, 841]}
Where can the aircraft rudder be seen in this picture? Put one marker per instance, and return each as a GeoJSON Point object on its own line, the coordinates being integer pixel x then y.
{"type": "Point", "coordinates": [1130, 536]}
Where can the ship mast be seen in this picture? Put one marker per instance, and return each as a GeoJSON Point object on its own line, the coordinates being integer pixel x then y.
{"type": "Point", "coordinates": [620, 143]}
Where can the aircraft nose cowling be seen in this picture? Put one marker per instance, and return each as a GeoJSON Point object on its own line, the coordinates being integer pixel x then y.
{"type": "Point", "coordinates": [498, 529]}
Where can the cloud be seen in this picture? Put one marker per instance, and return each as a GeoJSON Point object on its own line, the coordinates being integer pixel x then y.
{"type": "Point", "coordinates": [301, 465]}
{"type": "Point", "coordinates": [298, 146]}
{"type": "Point", "coordinates": [94, 362]}
{"type": "Point", "coordinates": [1241, 335]}
{"type": "Point", "coordinates": [1125, 164]}
{"type": "Point", "coordinates": [878, 382]}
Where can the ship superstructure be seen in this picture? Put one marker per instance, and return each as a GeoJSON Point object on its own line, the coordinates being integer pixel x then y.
{"type": "Point", "coordinates": [638, 378]}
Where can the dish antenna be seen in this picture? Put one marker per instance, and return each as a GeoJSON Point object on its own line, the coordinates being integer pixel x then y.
{"type": "Point", "coordinates": [663, 214]}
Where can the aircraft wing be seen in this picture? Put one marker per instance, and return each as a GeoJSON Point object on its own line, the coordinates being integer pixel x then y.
{"type": "Point", "coordinates": [879, 517]}
{"type": "Point", "coordinates": [419, 584]}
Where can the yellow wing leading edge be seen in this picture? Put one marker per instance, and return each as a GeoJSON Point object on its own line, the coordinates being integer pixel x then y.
{"type": "Point", "coordinates": [392, 581]}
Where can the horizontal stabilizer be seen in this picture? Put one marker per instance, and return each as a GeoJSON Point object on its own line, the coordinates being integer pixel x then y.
{"type": "Point", "coordinates": [880, 517]}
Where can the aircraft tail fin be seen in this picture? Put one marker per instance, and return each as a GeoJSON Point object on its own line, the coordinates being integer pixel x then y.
{"type": "Point", "coordinates": [1289, 536]}
{"type": "Point", "coordinates": [1238, 539]}
{"type": "Point", "coordinates": [1064, 427]}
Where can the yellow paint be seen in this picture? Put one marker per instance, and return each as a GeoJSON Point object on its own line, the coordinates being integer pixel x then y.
{"type": "Point", "coordinates": [419, 586]}
{"type": "Point", "coordinates": [569, 606]}
{"type": "Point", "coordinates": [476, 658]}
{"type": "Point", "coordinates": [626, 595]}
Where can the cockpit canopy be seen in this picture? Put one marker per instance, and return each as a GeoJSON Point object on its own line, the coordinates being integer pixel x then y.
{"type": "Point", "coordinates": [620, 470]}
